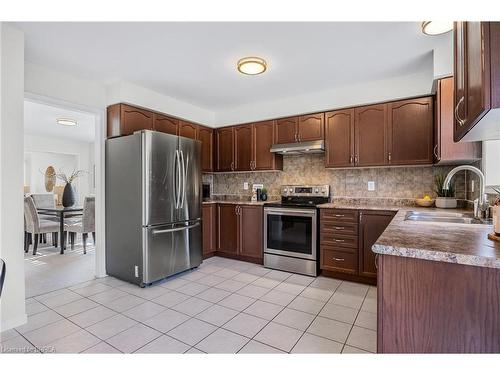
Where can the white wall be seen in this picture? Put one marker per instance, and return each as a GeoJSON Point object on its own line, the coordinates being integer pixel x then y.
{"type": "Point", "coordinates": [12, 307]}
{"type": "Point", "coordinates": [60, 153]}
{"type": "Point", "coordinates": [443, 57]}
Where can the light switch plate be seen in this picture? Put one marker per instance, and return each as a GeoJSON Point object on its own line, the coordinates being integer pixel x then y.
{"type": "Point", "coordinates": [245, 186]}
{"type": "Point", "coordinates": [371, 185]}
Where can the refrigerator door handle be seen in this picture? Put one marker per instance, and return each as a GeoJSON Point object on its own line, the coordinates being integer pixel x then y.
{"type": "Point", "coordinates": [184, 171]}
{"type": "Point", "coordinates": [178, 187]}
{"type": "Point", "coordinates": [159, 231]}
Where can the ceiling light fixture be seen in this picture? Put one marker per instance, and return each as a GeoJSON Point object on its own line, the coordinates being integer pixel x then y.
{"type": "Point", "coordinates": [66, 121]}
{"type": "Point", "coordinates": [436, 27]}
{"type": "Point", "coordinates": [252, 65]}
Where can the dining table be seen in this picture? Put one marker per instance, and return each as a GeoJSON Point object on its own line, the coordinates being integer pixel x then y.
{"type": "Point", "coordinates": [61, 213]}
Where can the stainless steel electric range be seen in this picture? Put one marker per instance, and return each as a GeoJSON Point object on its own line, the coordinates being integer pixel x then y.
{"type": "Point", "coordinates": [290, 229]}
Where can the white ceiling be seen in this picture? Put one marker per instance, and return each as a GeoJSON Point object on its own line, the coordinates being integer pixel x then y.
{"type": "Point", "coordinates": [40, 119]}
{"type": "Point", "coordinates": [195, 62]}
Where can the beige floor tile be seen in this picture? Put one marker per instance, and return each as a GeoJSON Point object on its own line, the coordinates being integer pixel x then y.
{"type": "Point", "coordinates": [308, 305]}
{"type": "Point", "coordinates": [39, 320]}
{"type": "Point", "coordinates": [170, 298]}
{"type": "Point", "coordinates": [133, 338]}
{"type": "Point", "coordinates": [366, 320]}
{"type": "Point", "coordinates": [17, 345]}
{"type": "Point", "coordinates": [290, 288]}
{"type": "Point", "coordinates": [192, 331]}
{"type": "Point", "coordinates": [300, 280]}
{"type": "Point", "coordinates": [278, 275]}
{"type": "Point", "coordinates": [278, 298]}
{"type": "Point", "coordinates": [124, 303]}
{"type": "Point", "coordinates": [294, 318]}
{"type": "Point", "coordinates": [166, 320]}
{"type": "Point", "coordinates": [92, 289]}
{"type": "Point", "coordinates": [255, 347]}
{"type": "Point", "coordinates": [222, 341]}
{"type": "Point", "coordinates": [75, 343]}
{"type": "Point", "coordinates": [192, 288]}
{"type": "Point", "coordinates": [111, 326]}
{"type": "Point", "coordinates": [51, 332]}
{"type": "Point", "coordinates": [246, 325]}
{"type": "Point", "coordinates": [317, 293]}
{"type": "Point", "coordinates": [326, 283]}
{"type": "Point", "coordinates": [352, 350]}
{"type": "Point", "coordinates": [149, 293]}
{"type": "Point", "coordinates": [348, 300]}
{"type": "Point", "coordinates": [92, 316]}
{"type": "Point", "coordinates": [164, 344]}
{"type": "Point", "coordinates": [258, 271]}
{"type": "Point", "coordinates": [237, 302]}
{"type": "Point", "coordinates": [108, 296]}
{"type": "Point", "coordinates": [253, 291]}
{"type": "Point", "coordinates": [75, 307]}
{"type": "Point", "coordinates": [34, 307]}
{"type": "Point", "coordinates": [246, 278]}
{"type": "Point", "coordinates": [66, 296]}
{"type": "Point", "coordinates": [210, 280]}
{"type": "Point", "coordinates": [213, 295]}
{"type": "Point", "coordinates": [192, 275]}
{"type": "Point", "coordinates": [111, 281]}
{"type": "Point", "coordinates": [230, 285]}
{"type": "Point", "coordinates": [266, 283]}
{"type": "Point", "coordinates": [192, 306]}
{"type": "Point", "coordinates": [208, 268]}
{"type": "Point", "coordinates": [278, 336]}
{"type": "Point", "coordinates": [8, 335]}
{"type": "Point", "coordinates": [144, 311]}
{"type": "Point", "coordinates": [353, 288]}
{"type": "Point", "coordinates": [330, 329]}
{"type": "Point", "coordinates": [369, 305]}
{"type": "Point", "coordinates": [340, 313]}
{"type": "Point", "coordinates": [372, 292]}
{"type": "Point", "coordinates": [264, 310]}
{"type": "Point", "coordinates": [363, 338]}
{"type": "Point", "coordinates": [174, 283]}
{"type": "Point", "coordinates": [217, 315]}
{"type": "Point", "coordinates": [102, 348]}
{"type": "Point", "coordinates": [226, 273]}
{"type": "Point", "coordinates": [316, 345]}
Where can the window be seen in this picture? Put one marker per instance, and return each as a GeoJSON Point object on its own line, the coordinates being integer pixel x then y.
{"type": "Point", "coordinates": [491, 162]}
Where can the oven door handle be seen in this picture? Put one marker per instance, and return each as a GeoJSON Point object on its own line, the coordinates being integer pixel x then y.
{"type": "Point", "coordinates": [289, 212]}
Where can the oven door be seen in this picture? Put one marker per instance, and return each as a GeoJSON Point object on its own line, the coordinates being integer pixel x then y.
{"type": "Point", "coordinates": [290, 232]}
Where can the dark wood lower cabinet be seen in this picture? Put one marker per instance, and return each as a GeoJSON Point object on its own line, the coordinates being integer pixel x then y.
{"type": "Point", "coordinates": [346, 239]}
{"type": "Point", "coordinates": [436, 307]}
{"type": "Point", "coordinates": [227, 228]}
{"type": "Point", "coordinates": [251, 231]}
{"type": "Point", "coordinates": [209, 230]}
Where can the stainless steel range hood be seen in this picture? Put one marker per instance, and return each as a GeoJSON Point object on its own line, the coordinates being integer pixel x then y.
{"type": "Point", "coordinates": [311, 147]}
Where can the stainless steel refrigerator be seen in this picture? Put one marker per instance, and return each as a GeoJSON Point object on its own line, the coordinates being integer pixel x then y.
{"type": "Point", "coordinates": [153, 206]}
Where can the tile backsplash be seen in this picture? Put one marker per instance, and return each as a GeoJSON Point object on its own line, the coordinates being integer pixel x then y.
{"type": "Point", "coordinates": [393, 182]}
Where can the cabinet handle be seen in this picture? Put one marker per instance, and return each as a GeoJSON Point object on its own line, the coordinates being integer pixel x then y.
{"type": "Point", "coordinates": [254, 164]}
{"type": "Point", "coordinates": [457, 116]}
{"type": "Point", "coordinates": [336, 240]}
{"type": "Point", "coordinates": [298, 136]}
{"type": "Point", "coordinates": [389, 156]}
{"type": "Point", "coordinates": [338, 215]}
{"type": "Point", "coordinates": [435, 151]}
{"type": "Point", "coordinates": [356, 159]}
{"type": "Point", "coordinates": [295, 137]}
{"type": "Point", "coordinates": [339, 259]}
{"type": "Point", "coordinates": [232, 165]}
{"type": "Point", "coordinates": [351, 159]}
{"type": "Point", "coordinates": [339, 228]}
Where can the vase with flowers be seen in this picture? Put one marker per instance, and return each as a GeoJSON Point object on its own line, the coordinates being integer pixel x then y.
{"type": "Point", "coordinates": [69, 195]}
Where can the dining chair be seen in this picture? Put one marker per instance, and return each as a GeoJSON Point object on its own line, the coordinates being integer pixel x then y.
{"type": "Point", "coordinates": [3, 270]}
{"type": "Point", "coordinates": [36, 226]}
{"type": "Point", "coordinates": [45, 200]}
{"type": "Point", "coordinates": [83, 225]}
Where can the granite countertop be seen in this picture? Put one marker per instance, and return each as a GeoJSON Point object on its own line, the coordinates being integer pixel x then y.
{"type": "Point", "coordinates": [240, 202]}
{"type": "Point", "coordinates": [466, 244]}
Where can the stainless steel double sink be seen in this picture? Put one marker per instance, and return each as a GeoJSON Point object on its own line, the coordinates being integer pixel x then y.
{"type": "Point", "coordinates": [445, 217]}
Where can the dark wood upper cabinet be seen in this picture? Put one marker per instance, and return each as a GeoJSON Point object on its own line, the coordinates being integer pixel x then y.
{"type": "Point", "coordinates": [224, 149]}
{"type": "Point", "coordinates": [124, 119]}
{"type": "Point", "coordinates": [227, 228]}
{"type": "Point", "coordinates": [477, 76]}
{"type": "Point", "coordinates": [209, 229]}
{"type": "Point", "coordinates": [206, 137]}
{"type": "Point", "coordinates": [250, 231]}
{"type": "Point", "coordinates": [165, 124]}
{"type": "Point", "coordinates": [339, 138]}
{"type": "Point", "coordinates": [311, 127]}
{"type": "Point", "coordinates": [372, 224]}
{"type": "Point", "coordinates": [262, 140]}
{"type": "Point", "coordinates": [370, 135]}
{"type": "Point", "coordinates": [410, 134]}
{"type": "Point", "coordinates": [446, 151]}
{"type": "Point", "coordinates": [243, 160]}
{"type": "Point", "coordinates": [286, 130]}
{"type": "Point", "coordinates": [188, 130]}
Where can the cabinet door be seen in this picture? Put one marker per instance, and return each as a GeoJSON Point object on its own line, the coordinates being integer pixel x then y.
{"type": "Point", "coordinates": [263, 139]}
{"type": "Point", "coordinates": [370, 135]}
{"type": "Point", "coordinates": [372, 225]}
{"type": "Point", "coordinates": [311, 127]}
{"type": "Point", "coordinates": [286, 130]}
{"type": "Point", "coordinates": [224, 149]}
{"type": "Point", "coordinates": [209, 217]}
{"type": "Point", "coordinates": [411, 131]}
{"type": "Point", "coordinates": [188, 130]}
{"type": "Point", "coordinates": [133, 119]}
{"type": "Point", "coordinates": [251, 231]}
{"type": "Point", "coordinates": [165, 124]}
{"type": "Point", "coordinates": [243, 148]}
{"type": "Point", "coordinates": [339, 138]}
{"type": "Point", "coordinates": [227, 228]}
{"type": "Point", "coordinates": [206, 136]}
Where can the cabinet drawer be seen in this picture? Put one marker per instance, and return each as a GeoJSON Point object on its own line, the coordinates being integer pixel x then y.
{"type": "Point", "coordinates": [339, 215]}
{"type": "Point", "coordinates": [338, 240]}
{"type": "Point", "coordinates": [339, 261]}
{"type": "Point", "coordinates": [339, 227]}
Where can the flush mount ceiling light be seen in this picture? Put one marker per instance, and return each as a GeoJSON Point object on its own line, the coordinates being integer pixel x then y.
{"type": "Point", "coordinates": [436, 27]}
{"type": "Point", "coordinates": [252, 65]}
{"type": "Point", "coordinates": [66, 121]}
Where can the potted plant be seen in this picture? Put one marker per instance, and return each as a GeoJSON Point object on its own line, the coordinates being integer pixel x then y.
{"type": "Point", "coordinates": [69, 195]}
{"type": "Point", "coordinates": [445, 198]}
{"type": "Point", "coordinates": [496, 212]}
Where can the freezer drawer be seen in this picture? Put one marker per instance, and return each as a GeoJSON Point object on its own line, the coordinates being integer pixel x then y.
{"type": "Point", "coordinates": [170, 249]}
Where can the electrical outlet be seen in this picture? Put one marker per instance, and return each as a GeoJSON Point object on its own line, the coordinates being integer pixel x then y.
{"type": "Point", "coordinates": [371, 185]}
{"type": "Point", "coordinates": [245, 186]}
{"type": "Point", "coordinates": [136, 271]}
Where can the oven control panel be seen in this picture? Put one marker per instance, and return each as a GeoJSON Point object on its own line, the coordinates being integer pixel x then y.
{"type": "Point", "coordinates": [305, 191]}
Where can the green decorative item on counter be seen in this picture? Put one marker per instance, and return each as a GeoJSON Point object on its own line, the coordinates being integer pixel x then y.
{"type": "Point", "coordinates": [445, 198]}
{"type": "Point", "coordinates": [263, 194]}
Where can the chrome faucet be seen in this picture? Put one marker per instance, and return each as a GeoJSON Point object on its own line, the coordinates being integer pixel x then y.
{"type": "Point", "coordinates": [481, 204]}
